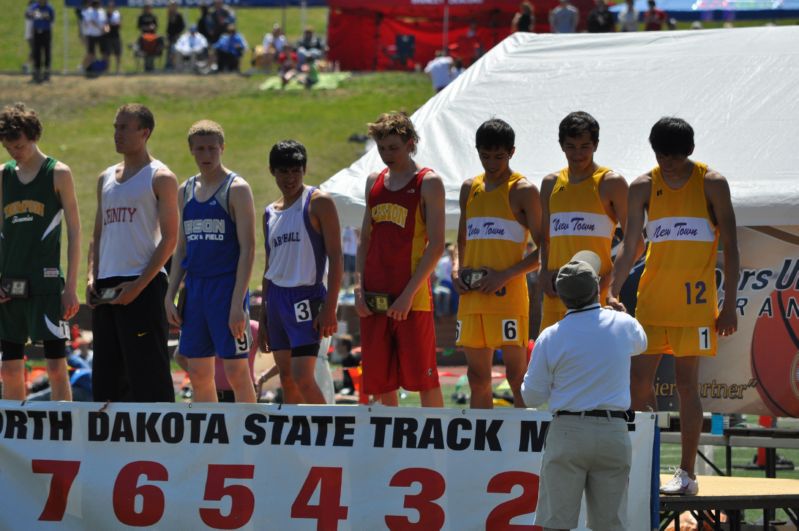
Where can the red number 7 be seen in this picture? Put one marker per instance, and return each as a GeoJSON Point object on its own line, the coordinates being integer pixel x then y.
{"type": "Point", "coordinates": [64, 473]}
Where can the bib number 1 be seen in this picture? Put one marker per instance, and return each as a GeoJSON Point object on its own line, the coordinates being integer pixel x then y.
{"type": "Point", "coordinates": [704, 338]}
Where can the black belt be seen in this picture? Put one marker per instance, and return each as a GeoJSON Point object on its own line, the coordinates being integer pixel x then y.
{"type": "Point", "coordinates": [604, 413]}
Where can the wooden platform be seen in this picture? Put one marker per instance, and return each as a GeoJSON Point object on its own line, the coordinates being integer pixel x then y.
{"type": "Point", "coordinates": [733, 495]}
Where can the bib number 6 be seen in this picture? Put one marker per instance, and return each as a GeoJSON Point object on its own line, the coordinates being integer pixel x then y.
{"type": "Point", "coordinates": [510, 330]}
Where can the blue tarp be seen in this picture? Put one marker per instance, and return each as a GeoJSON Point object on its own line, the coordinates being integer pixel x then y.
{"type": "Point", "coordinates": [727, 10]}
{"type": "Point", "coordinates": [197, 3]}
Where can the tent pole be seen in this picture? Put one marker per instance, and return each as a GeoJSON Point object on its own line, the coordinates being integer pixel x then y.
{"type": "Point", "coordinates": [445, 44]}
{"type": "Point", "coordinates": [303, 14]}
{"type": "Point", "coordinates": [65, 16]}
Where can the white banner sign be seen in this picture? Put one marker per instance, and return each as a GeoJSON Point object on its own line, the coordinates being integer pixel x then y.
{"type": "Point", "coordinates": [259, 467]}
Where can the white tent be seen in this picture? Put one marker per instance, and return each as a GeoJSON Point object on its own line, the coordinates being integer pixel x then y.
{"type": "Point", "coordinates": [739, 89]}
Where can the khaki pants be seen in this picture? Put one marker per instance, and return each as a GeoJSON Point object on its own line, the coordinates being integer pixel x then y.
{"type": "Point", "coordinates": [585, 454]}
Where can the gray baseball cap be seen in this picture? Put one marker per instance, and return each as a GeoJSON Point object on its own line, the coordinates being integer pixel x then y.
{"type": "Point", "coordinates": [577, 282]}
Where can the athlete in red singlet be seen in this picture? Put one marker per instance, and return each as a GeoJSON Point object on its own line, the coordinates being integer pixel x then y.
{"type": "Point", "coordinates": [402, 239]}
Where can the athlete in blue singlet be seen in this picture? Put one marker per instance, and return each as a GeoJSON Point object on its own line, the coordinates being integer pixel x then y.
{"type": "Point", "coordinates": [302, 234]}
{"type": "Point", "coordinates": [215, 253]}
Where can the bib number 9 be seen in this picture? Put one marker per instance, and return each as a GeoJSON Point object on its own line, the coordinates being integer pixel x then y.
{"type": "Point", "coordinates": [457, 331]}
{"type": "Point", "coordinates": [244, 342]}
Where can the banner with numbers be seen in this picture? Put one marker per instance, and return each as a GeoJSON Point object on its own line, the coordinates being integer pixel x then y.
{"type": "Point", "coordinates": [182, 466]}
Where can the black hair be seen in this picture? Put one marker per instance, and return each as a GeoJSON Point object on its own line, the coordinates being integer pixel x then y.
{"type": "Point", "coordinates": [577, 123]}
{"type": "Point", "coordinates": [288, 154]}
{"type": "Point", "coordinates": [672, 136]}
{"type": "Point", "coordinates": [495, 133]}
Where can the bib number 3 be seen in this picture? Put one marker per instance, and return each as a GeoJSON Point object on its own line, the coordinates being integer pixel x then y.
{"type": "Point", "coordinates": [302, 311]}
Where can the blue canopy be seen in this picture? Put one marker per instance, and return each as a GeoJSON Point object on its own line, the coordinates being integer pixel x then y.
{"type": "Point", "coordinates": [727, 10]}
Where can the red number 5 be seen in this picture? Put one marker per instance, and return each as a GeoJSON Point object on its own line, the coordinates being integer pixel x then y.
{"type": "Point", "coordinates": [126, 490]}
{"type": "Point", "coordinates": [242, 501]}
{"type": "Point", "coordinates": [431, 515]}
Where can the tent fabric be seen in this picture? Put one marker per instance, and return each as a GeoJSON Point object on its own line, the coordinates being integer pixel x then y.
{"type": "Point", "coordinates": [738, 88]}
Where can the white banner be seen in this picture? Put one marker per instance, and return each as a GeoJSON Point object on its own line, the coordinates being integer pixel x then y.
{"type": "Point", "coordinates": [181, 466]}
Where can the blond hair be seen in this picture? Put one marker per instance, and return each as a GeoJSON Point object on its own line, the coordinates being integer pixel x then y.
{"type": "Point", "coordinates": [393, 123]}
{"type": "Point", "coordinates": [206, 128]}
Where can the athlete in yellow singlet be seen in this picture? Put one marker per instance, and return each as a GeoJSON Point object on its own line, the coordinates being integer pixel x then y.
{"type": "Point", "coordinates": [688, 208]}
{"type": "Point", "coordinates": [499, 213]}
{"type": "Point", "coordinates": [580, 207]}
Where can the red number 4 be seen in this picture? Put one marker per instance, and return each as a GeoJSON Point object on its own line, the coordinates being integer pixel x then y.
{"type": "Point", "coordinates": [64, 473]}
{"type": "Point", "coordinates": [329, 510]}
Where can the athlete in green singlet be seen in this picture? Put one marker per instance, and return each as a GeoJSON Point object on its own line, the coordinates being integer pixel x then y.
{"type": "Point", "coordinates": [37, 192]}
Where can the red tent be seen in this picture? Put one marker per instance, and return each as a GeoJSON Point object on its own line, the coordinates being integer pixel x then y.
{"type": "Point", "coordinates": [400, 34]}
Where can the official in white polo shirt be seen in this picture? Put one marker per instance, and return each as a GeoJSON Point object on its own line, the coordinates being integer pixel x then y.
{"type": "Point", "coordinates": [581, 367]}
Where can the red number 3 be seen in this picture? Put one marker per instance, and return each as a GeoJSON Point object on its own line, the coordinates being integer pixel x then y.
{"type": "Point", "coordinates": [431, 515]}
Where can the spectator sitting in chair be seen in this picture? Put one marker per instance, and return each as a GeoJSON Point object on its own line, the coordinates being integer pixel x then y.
{"type": "Point", "coordinates": [309, 46]}
{"type": "Point", "coordinates": [190, 49]}
{"type": "Point", "coordinates": [149, 46]}
{"type": "Point", "coordinates": [229, 49]}
{"type": "Point", "coordinates": [270, 48]}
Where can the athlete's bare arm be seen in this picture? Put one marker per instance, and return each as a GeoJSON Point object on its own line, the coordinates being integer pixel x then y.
{"type": "Point", "coordinates": [363, 246]}
{"type": "Point", "coordinates": [717, 193]}
{"type": "Point", "coordinates": [613, 192]}
{"type": "Point", "coordinates": [324, 218]}
{"type": "Point", "coordinates": [525, 202]}
{"type": "Point", "coordinates": [637, 204]}
{"type": "Point", "coordinates": [165, 188]}
{"type": "Point", "coordinates": [545, 275]}
{"type": "Point", "coordinates": [176, 271]}
{"type": "Point", "coordinates": [460, 287]}
{"type": "Point", "coordinates": [432, 199]}
{"type": "Point", "coordinates": [64, 186]}
{"type": "Point", "coordinates": [242, 211]}
{"type": "Point", "coordinates": [94, 245]}
{"type": "Point", "coordinates": [263, 332]}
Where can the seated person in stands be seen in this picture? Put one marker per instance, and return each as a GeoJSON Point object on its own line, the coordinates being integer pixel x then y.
{"type": "Point", "coordinates": [310, 46]}
{"type": "Point", "coordinates": [272, 45]}
{"type": "Point", "coordinates": [149, 46]}
{"type": "Point", "coordinates": [191, 47]}
{"type": "Point", "coordinates": [229, 49]}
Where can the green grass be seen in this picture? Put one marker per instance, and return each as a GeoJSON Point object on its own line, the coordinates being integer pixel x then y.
{"type": "Point", "coordinates": [252, 23]}
{"type": "Point", "coordinates": [78, 114]}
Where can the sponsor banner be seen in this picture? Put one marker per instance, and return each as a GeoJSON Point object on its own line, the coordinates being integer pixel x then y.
{"type": "Point", "coordinates": [580, 224]}
{"type": "Point", "coordinates": [185, 466]}
{"type": "Point", "coordinates": [756, 369]}
{"type": "Point", "coordinates": [491, 228]}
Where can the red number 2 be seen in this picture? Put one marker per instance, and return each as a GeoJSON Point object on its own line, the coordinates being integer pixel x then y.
{"type": "Point", "coordinates": [242, 501]}
{"type": "Point", "coordinates": [503, 513]}
{"type": "Point", "coordinates": [64, 473]}
{"type": "Point", "coordinates": [329, 510]}
{"type": "Point", "coordinates": [431, 515]}
{"type": "Point", "coordinates": [126, 490]}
